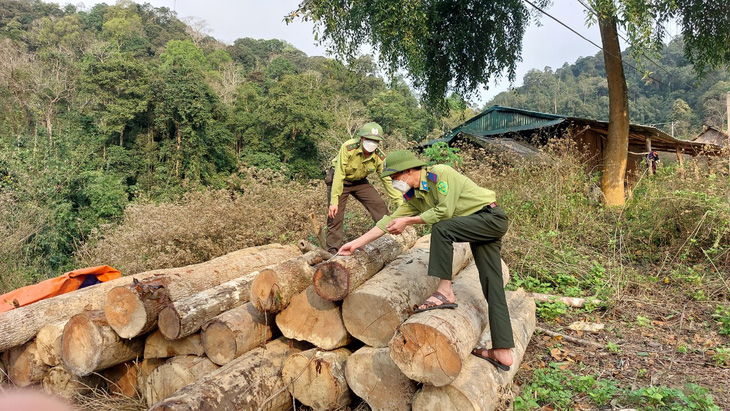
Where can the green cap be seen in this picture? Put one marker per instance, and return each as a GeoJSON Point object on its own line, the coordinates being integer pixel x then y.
{"type": "Point", "coordinates": [400, 160]}
{"type": "Point", "coordinates": [371, 131]}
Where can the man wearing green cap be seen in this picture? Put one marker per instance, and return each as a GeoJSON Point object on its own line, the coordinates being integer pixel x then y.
{"type": "Point", "coordinates": [460, 211]}
{"type": "Point", "coordinates": [356, 159]}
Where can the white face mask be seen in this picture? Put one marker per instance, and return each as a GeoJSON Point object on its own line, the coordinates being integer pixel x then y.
{"type": "Point", "coordinates": [369, 145]}
{"type": "Point", "coordinates": [401, 185]}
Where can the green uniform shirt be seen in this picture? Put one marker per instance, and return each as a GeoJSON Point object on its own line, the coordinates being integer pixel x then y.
{"type": "Point", "coordinates": [443, 193]}
{"type": "Point", "coordinates": [351, 164]}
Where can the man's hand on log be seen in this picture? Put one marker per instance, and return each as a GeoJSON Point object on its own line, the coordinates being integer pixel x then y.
{"type": "Point", "coordinates": [332, 212]}
{"type": "Point", "coordinates": [397, 226]}
{"type": "Point", "coordinates": [348, 249]}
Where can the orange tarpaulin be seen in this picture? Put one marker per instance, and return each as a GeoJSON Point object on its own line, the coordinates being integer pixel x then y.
{"type": "Point", "coordinates": [70, 281]}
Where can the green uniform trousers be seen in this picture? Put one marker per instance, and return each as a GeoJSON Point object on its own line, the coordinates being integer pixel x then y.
{"type": "Point", "coordinates": [368, 196]}
{"type": "Point", "coordinates": [483, 231]}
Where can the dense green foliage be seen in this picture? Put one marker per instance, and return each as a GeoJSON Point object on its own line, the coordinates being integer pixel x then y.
{"type": "Point", "coordinates": [672, 93]}
{"type": "Point", "coordinates": [103, 107]}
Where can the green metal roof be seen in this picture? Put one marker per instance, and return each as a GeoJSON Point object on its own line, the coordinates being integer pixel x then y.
{"type": "Point", "coordinates": [499, 120]}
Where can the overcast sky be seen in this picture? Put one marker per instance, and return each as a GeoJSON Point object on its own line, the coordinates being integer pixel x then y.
{"type": "Point", "coordinates": [548, 45]}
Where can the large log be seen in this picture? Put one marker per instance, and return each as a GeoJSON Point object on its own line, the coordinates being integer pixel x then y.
{"type": "Point", "coordinates": [310, 317]}
{"type": "Point", "coordinates": [273, 288]}
{"type": "Point", "coordinates": [90, 344]}
{"type": "Point", "coordinates": [60, 382]}
{"type": "Point", "coordinates": [122, 379]}
{"type": "Point", "coordinates": [144, 369]}
{"type": "Point", "coordinates": [250, 382]}
{"type": "Point", "coordinates": [22, 324]}
{"type": "Point", "coordinates": [24, 365]}
{"type": "Point", "coordinates": [375, 378]}
{"type": "Point", "coordinates": [48, 342]}
{"type": "Point", "coordinates": [374, 310]}
{"type": "Point", "coordinates": [132, 310]}
{"type": "Point", "coordinates": [235, 332]}
{"type": "Point", "coordinates": [186, 316]}
{"type": "Point", "coordinates": [317, 378]}
{"type": "Point", "coordinates": [157, 346]}
{"type": "Point", "coordinates": [174, 374]}
{"type": "Point", "coordinates": [480, 386]}
{"type": "Point", "coordinates": [431, 346]}
{"type": "Point", "coordinates": [335, 278]}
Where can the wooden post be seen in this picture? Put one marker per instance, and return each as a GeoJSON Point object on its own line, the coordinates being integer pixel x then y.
{"type": "Point", "coordinates": [24, 365]}
{"type": "Point", "coordinates": [157, 346]}
{"type": "Point", "coordinates": [250, 382]}
{"type": "Point", "coordinates": [647, 143]}
{"type": "Point", "coordinates": [317, 378]}
{"type": "Point", "coordinates": [372, 312]}
{"type": "Point", "coordinates": [89, 344]}
{"type": "Point", "coordinates": [133, 310]}
{"type": "Point", "coordinates": [480, 386]}
{"type": "Point", "coordinates": [235, 332]}
{"type": "Point", "coordinates": [310, 317]}
{"type": "Point", "coordinates": [335, 278]}
{"type": "Point", "coordinates": [375, 378]}
{"type": "Point", "coordinates": [431, 347]}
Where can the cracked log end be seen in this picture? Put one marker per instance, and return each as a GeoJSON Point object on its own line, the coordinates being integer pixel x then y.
{"type": "Point", "coordinates": [332, 281]}
{"type": "Point", "coordinates": [219, 343]}
{"type": "Point", "coordinates": [169, 323]}
{"type": "Point", "coordinates": [125, 312]}
{"type": "Point", "coordinates": [423, 354]}
{"type": "Point", "coordinates": [81, 345]}
{"type": "Point", "coordinates": [263, 291]}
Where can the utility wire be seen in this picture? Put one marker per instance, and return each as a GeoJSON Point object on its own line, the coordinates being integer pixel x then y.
{"type": "Point", "coordinates": [592, 42]}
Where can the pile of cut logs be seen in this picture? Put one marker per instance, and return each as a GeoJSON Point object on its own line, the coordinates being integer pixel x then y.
{"type": "Point", "coordinates": [260, 327]}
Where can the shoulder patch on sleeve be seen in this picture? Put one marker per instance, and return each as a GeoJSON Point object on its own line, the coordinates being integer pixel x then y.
{"type": "Point", "coordinates": [380, 154]}
{"type": "Point", "coordinates": [432, 177]}
{"type": "Point", "coordinates": [353, 146]}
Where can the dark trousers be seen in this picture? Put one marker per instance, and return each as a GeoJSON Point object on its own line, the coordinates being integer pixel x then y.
{"type": "Point", "coordinates": [366, 194]}
{"type": "Point", "coordinates": [483, 231]}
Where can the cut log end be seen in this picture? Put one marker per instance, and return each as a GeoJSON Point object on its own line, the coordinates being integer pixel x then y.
{"type": "Point", "coordinates": [264, 294]}
{"type": "Point", "coordinates": [170, 323]}
{"type": "Point", "coordinates": [81, 345]}
{"type": "Point", "coordinates": [219, 342]}
{"type": "Point", "coordinates": [332, 281]}
{"type": "Point", "coordinates": [424, 354]}
{"type": "Point", "coordinates": [125, 312]}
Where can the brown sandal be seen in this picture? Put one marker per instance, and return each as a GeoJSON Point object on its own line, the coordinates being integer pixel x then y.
{"type": "Point", "coordinates": [428, 305]}
{"type": "Point", "coordinates": [487, 354]}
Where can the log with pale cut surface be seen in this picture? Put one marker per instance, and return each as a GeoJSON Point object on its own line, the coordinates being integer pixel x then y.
{"type": "Point", "coordinates": [133, 310]}
{"type": "Point", "coordinates": [157, 346]}
{"type": "Point", "coordinates": [235, 332]}
{"type": "Point", "coordinates": [337, 277]}
{"type": "Point", "coordinates": [175, 373]}
{"type": "Point", "coordinates": [273, 288]}
{"type": "Point", "coordinates": [480, 386]}
{"type": "Point", "coordinates": [59, 381]}
{"type": "Point", "coordinates": [90, 344]}
{"type": "Point", "coordinates": [23, 365]}
{"type": "Point", "coordinates": [250, 382]}
{"type": "Point", "coordinates": [317, 378]}
{"type": "Point", "coordinates": [375, 378]}
{"type": "Point", "coordinates": [122, 378]}
{"type": "Point", "coordinates": [48, 342]}
{"type": "Point", "coordinates": [310, 317]}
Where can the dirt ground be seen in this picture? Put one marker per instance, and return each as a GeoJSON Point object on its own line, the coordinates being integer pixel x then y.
{"type": "Point", "coordinates": [649, 354]}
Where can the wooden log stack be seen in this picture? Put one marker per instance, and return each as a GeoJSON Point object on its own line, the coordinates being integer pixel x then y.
{"type": "Point", "coordinates": [200, 337]}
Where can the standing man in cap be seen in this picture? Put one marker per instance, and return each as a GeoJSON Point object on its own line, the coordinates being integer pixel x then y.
{"type": "Point", "coordinates": [358, 158]}
{"type": "Point", "coordinates": [460, 211]}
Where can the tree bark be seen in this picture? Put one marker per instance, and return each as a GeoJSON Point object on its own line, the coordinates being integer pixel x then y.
{"type": "Point", "coordinates": [235, 332]}
{"type": "Point", "coordinates": [617, 144]}
{"type": "Point", "coordinates": [480, 386]}
{"type": "Point", "coordinates": [273, 288]}
{"type": "Point", "coordinates": [250, 382]}
{"type": "Point", "coordinates": [22, 324]}
{"type": "Point", "coordinates": [89, 344]}
{"type": "Point", "coordinates": [375, 378]}
{"type": "Point", "coordinates": [174, 374]}
{"type": "Point", "coordinates": [48, 342]}
{"type": "Point", "coordinates": [24, 365]}
{"type": "Point", "coordinates": [431, 347]}
{"type": "Point", "coordinates": [59, 381]}
{"type": "Point", "coordinates": [133, 310]}
{"type": "Point", "coordinates": [310, 317]}
{"type": "Point", "coordinates": [334, 279]}
{"type": "Point", "coordinates": [157, 346]}
{"type": "Point", "coordinates": [374, 310]}
{"type": "Point", "coordinates": [317, 378]}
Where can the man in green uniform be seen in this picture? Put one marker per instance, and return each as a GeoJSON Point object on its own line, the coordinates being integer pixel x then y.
{"type": "Point", "coordinates": [460, 211]}
{"type": "Point", "coordinates": [357, 158]}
